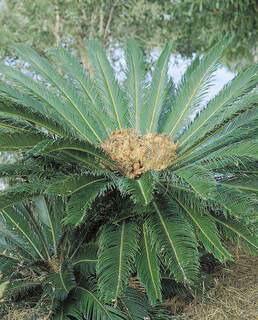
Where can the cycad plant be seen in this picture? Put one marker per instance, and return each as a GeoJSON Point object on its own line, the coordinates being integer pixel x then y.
{"type": "Point", "coordinates": [48, 273]}
{"type": "Point", "coordinates": [179, 184]}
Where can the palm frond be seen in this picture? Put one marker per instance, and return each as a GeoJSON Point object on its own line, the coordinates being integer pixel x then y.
{"type": "Point", "coordinates": [59, 284]}
{"type": "Point", "coordinates": [200, 179]}
{"type": "Point", "coordinates": [175, 240]}
{"type": "Point", "coordinates": [19, 109]}
{"type": "Point", "coordinates": [156, 93]}
{"type": "Point", "coordinates": [45, 69]}
{"type": "Point", "coordinates": [148, 268]}
{"type": "Point", "coordinates": [117, 249]}
{"type": "Point", "coordinates": [207, 232]}
{"type": "Point", "coordinates": [19, 223]}
{"type": "Point", "coordinates": [92, 307]}
{"type": "Point", "coordinates": [110, 92]}
{"type": "Point", "coordinates": [135, 304]}
{"type": "Point", "coordinates": [228, 101]}
{"type": "Point", "coordinates": [87, 87]}
{"type": "Point", "coordinates": [81, 200]}
{"type": "Point", "coordinates": [134, 84]}
{"type": "Point", "coordinates": [50, 99]}
{"type": "Point", "coordinates": [191, 90]}
{"type": "Point", "coordinates": [86, 258]}
{"type": "Point", "coordinates": [16, 141]}
{"type": "Point", "coordinates": [235, 231]}
{"type": "Point", "coordinates": [141, 190]}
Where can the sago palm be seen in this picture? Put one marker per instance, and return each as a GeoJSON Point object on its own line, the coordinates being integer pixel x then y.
{"type": "Point", "coordinates": [49, 274]}
{"type": "Point", "coordinates": [180, 185]}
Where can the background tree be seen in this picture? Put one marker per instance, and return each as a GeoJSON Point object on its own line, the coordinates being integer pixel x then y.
{"type": "Point", "coordinates": [192, 25]}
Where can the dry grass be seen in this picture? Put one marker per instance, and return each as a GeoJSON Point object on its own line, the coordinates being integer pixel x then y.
{"type": "Point", "coordinates": [234, 297]}
{"type": "Point", "coordinates": [26, 314]}
{"type": "Point", "coordinates": [136, 154]}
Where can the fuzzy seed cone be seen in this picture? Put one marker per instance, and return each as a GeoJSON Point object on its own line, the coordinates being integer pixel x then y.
{"type": "Point", "coordinates": [136, 154]}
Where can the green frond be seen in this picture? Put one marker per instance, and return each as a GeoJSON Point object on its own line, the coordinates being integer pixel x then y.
{"type": "Point", "coordinates": [66, 311]}
{"type": "Point", "coordinates": [240, 204]}
{"type": "Point", "coordinates": [18, 222]}
{"type": "Point", "coordinates": [236, 152]}
{"type": "Point", "coordinates": [231, 99]}
{"type": "Point", "coordinates": [87, 87]}
{"type": "Point", "coordinates": [14, 125]}
{"type": "Point", "coordinates": [19, 192]}
{"type": "Point", "coordinates": [141, 190]}
{"type": "Point", "coordinates": [135, 304]}
{"type": "Point", "coordinates": [176, 242]}
{"type": "Point", "coordinates": [19, 168]}
{"type": "Point", "coordinates": [86, 258]}
{"type": "Point", "coordinates": [92, 307]}
{"type": "Point", "coordinates": [134, 84]}
{"type": "Point", "coordinates": [201, 180]}
{"type": "Point", "coordinates": [67, 185]}
{"type": "Point", "coordinates": [156, 93]}
{"type": "Point", "coordinates": [117, 250]}
{"type": "Point", "coordinates": [18, 141]}
{"type": "Point", "coordinates": [81, 201]}
{"type": "Point", "coordinates": [59, 284]}
{"type": "Point", "coordinates": [50, 99]}
{"type": "Point", "coordinates": [109, 89]}
{"type": "Point", "coordinates": [14, 248]}
{"type": "Point", "coordinates": [207, 231]}
{"type": "Point", "coordinates": [244, 183]}
{"type": "Point", "coordinates": [49, 214]}
{"type": "Point", "coordinates": [81, 151]}
{"type": "Point", "coordinates": [241, 127]}
{"type": "Point", "coordinates": [21, 110]}
{"type": "Point", "coordinates": [72, 99]}
{"type": "Point", "coordinates": [192, 89]}
{"type": "Point", "coordinates": [235, 231]}
{"type": "Point", "coordinates": [148, 267]}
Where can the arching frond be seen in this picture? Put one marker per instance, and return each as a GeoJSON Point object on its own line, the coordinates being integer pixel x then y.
{"type": "Point", "coordinates": [18, 222]}
{"type": "Point", "coordinates": [87, 87]}
{"type": "Point", "coordinates": [81, 200]}
{"type": "Point", "coordinates": [17, 141]}
{"type": "Point", "coordinates": [141, 190]}
{"type": "Point", "coordinates": [86, 258]}
{"type": "Point", "coordinates": [228, 101]}
{"type": "Point", "coordinates": [148, 268]}
{"type": "Point", "coordinates": [134, 84]}
{"type": "Point", "coordinates": [176, 242]}
{"type": "Point", "coordinates": [117, 249]}
{"type": "Point", "coordinates": [111, 94]}
{"type": "Point", "coordinates": [235, 231]}
{"type": "Point", "coordinates": [156, 92]}
{"type": "Point", "coordinates": [72, 99]}
{"type": "Point", "coordinates": [135, 304]}
{"type": "Point", "coordinates": [92, 307]}
{"type": "Point", "coordinates": [192, 88]}
{"type": "Point", "coordinates": [207, 231]}
{"type": "Point", "coordinates": [201, 180]}
{"type": "Point", "coordinates": [58, 284]}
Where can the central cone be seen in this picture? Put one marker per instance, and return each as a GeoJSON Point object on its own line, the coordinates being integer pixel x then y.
{"type": "Point", "coordinates": [137, 154]}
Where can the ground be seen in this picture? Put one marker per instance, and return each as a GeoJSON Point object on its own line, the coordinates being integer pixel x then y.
{"type": "Point", "coordinates": [234, 296]}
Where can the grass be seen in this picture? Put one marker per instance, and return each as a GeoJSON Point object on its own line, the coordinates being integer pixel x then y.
{"type": "Point", "coordinates": [234, 296]}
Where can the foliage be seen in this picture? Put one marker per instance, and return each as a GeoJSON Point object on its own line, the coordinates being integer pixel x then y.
{"type": "Point", "coordinates": [157, 223]}
{"type": "Point", "coordinates": [48, 272]}
{"type": "Point", "coordinates": [193, 26]}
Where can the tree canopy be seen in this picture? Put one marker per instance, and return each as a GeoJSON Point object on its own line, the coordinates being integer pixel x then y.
{"type": "Point", "coordinates": [193, 26]}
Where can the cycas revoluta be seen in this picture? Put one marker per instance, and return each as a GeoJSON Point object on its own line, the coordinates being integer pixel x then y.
{"type": "Point", "coordinates": [179, 185]}
{"type": "Point", "coordinates": [47, 272]}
